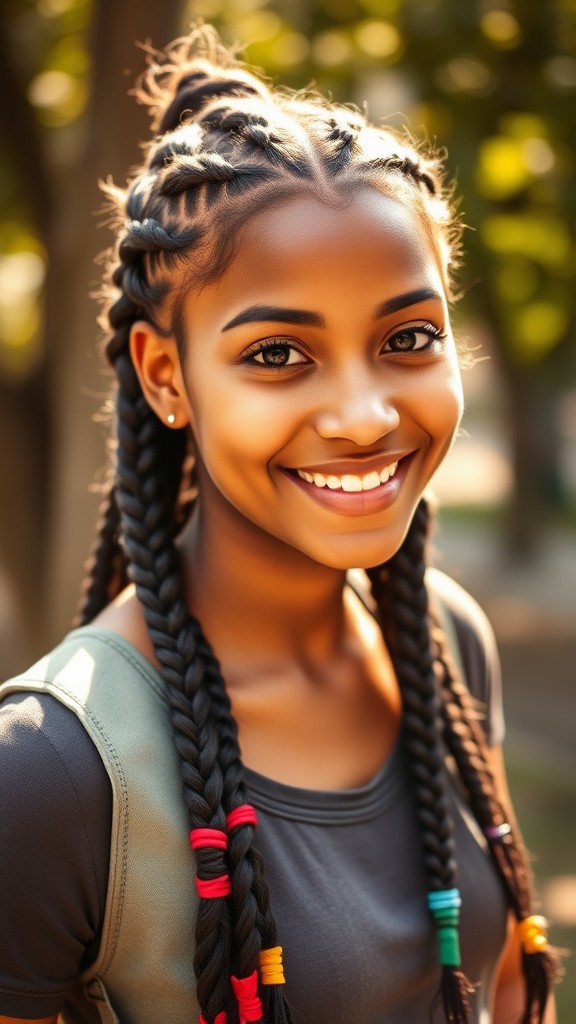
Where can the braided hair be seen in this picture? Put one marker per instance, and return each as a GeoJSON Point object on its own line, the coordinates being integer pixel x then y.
{"type": "Point", "coordinates": [226, 145]}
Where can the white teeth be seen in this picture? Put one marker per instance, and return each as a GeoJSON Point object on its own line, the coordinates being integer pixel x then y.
{"type": "Point", "coordinates": [387, 472]}
{"type": "Point", "coordinates": [371, 481]}
{"type": "Point", "coordinates": [350, 483]}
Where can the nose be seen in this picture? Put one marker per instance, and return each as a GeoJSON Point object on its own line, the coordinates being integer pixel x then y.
{"type": "Point", "coordinates": [357, 408]}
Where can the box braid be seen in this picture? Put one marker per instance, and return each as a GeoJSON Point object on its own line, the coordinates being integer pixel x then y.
{"type": "Point", "coordinates": [223, 136]}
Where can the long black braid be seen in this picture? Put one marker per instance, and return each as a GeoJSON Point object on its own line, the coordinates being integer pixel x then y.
{"type": "Point", "coordinates": [223, 137]}
{"type": "Point", "coordinates": [401, 595]}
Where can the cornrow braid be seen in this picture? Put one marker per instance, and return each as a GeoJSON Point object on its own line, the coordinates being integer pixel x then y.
{"type": "Point", "coordinates": [406, 598]}
{"type": "Point", "coordinates": [195, 91]}
{"type": "Point", "coordinates": [466, 743]}
{"type": "Point", "coordinates": [345, 135]}
{"type": "Point", "coordinates": [406, 166]}
{"type": "Point", "coordinates": [247, 126]}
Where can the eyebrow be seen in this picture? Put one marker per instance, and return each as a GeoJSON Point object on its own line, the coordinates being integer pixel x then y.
{"type": "Point", "coordinates": [307, 318]}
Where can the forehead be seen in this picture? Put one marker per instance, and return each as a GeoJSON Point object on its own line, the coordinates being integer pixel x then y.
{"type": "Point", "coordinates": [365, 248]}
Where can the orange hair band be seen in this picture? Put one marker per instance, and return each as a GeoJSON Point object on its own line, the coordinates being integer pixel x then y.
{"type": "Point", "coordinates": [271, 970]}
{"type": "Point", "coordinates": [533, 932]}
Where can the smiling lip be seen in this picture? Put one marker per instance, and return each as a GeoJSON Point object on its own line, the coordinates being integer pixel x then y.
{"type": "Point", "coordinates": [367, 496]}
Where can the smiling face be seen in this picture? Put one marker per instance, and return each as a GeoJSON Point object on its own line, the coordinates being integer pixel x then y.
{"type": "Point", "coordinates": [322, 380]}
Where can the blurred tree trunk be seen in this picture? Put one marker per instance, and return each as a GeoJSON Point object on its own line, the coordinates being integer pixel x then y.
{"type": "Point", "coordinates": [114, 126]}
{"type": "Point", "coordinates": [534, 452]}
{"type": "Point", "coordinates": [24, 412]}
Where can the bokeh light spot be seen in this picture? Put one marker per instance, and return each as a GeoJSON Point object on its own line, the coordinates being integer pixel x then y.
{"type": "Point", "coordinates": [379, 39]}
{"type": "Point", "coordinates": [501, 28]}
{"type": "Point", "coordinates": [539, 155]}
{"type": "Point", "coordinates": [538, 327]}
{"type": "Point", "coordinates": [290, 49]}
{"type": "Point", "coordinates": [51, 89]}
{"type": "Point", "coordinates": [331, 48]}
{"type": "Point", "coordinates": [465, 74]}
{"type": "Point", "coordinates": [502, 168]}
{"type": "Point", "coordinates": [560, 72]}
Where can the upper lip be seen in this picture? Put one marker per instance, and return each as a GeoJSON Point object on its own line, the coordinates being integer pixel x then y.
{"type": "Point", "coordinates": [358, 466]}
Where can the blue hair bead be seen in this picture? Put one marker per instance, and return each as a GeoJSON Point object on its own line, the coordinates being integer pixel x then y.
{"type": "Point", "coordinates": [444, 899]}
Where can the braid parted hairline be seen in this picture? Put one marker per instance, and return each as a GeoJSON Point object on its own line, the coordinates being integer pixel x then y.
{"type": "Point", "coordinates": [225, 134]}
{"type": "Point", "coordinates": [249, 151]}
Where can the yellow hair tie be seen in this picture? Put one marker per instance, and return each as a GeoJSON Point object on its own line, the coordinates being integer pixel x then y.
{"type": "Point", "coordinates": [271, 970]}
{"type": "Point", "coordinates": [533, 933]}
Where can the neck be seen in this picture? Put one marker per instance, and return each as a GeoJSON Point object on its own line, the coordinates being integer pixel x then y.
{"type": "Point", "coordinates": [259, 599]}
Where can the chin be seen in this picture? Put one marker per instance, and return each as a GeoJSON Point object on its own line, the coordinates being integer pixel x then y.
{"type": "Point", "coordinates": [361, 552]}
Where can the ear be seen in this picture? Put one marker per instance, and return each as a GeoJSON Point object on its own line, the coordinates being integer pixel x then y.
{"type": "Point", "coordinates": [157, 364]}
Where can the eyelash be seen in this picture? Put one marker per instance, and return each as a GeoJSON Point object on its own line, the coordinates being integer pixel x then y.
{"type": "Point", "coordinates": [434, 334]}
{"type": "Point", "coordinates": [267, 345]}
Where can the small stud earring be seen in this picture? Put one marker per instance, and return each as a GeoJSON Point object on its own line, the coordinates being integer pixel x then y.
{"type": "Point", "coordinates": [171, 417]}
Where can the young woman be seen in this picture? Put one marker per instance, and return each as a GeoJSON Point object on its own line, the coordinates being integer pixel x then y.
{"type": "Point", "coordinates": [319, 747]}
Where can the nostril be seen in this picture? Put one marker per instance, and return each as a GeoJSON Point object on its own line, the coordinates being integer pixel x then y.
{"type": "Point", "coordinates": [363, 426]}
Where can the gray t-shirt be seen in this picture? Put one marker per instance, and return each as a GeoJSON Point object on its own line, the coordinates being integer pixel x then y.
{"type": "Point", "coordinates": [344, 868]}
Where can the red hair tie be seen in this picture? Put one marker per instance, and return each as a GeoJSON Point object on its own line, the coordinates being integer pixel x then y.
{"type": "Point", "coordinates": [246, 992]}
{"type": "Point", "coordinates": [220, 1018]}
{"type": "Point", "coordinates": [245, 814]}
{"type": "Point", "coordinates": [211, 888]}
{"type": "Point", "coordinates": [208, 837]}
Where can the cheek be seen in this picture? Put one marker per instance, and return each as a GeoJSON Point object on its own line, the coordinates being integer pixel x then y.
{"type": "Point", "coordinates": [435, 400]}
{"type": "Point", "coordinates": [445, 409]}
{"type": "Point", "coordinates": [235, 424]}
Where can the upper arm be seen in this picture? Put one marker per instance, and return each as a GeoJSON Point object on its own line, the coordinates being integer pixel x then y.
{"type": "Point", "coordinates": [54, 848]}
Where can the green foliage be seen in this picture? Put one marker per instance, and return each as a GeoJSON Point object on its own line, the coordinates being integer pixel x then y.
{"type": "Point", "coordinates": [495, 82]}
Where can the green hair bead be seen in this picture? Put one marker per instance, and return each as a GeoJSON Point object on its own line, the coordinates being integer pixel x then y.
{"type": "Point", "coordinates": [444, 906]}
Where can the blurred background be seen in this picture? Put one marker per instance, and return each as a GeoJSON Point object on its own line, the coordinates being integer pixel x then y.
{"type": "Point", "coordinates": [492, 80]}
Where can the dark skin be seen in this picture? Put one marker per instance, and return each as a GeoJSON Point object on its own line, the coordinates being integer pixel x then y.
{"type": "Point", "coordinates": [265, 556]}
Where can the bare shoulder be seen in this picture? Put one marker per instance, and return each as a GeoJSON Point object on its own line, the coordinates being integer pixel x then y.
{"type": "Point", "coordinates": [125, 616]}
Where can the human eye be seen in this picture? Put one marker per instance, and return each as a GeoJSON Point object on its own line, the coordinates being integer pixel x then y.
{"type": "Point", "coordinates": [415, 338]}
{"type": "Point", "coordinates": [275, 354]}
